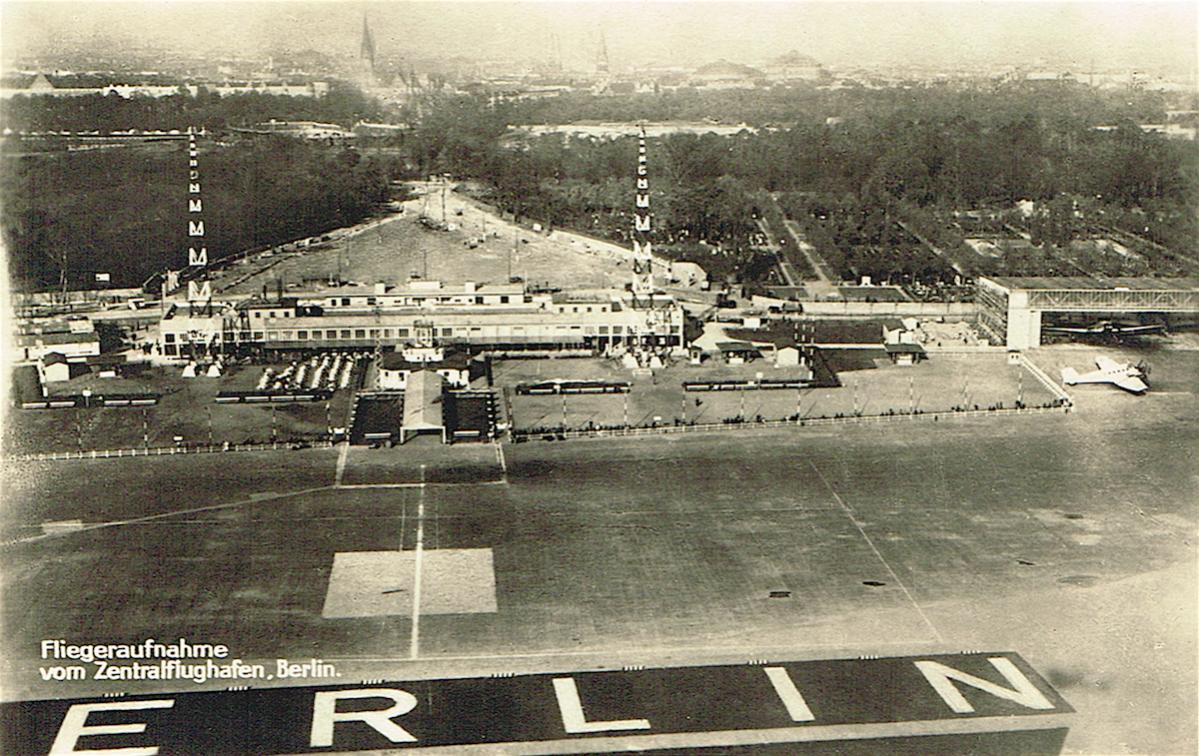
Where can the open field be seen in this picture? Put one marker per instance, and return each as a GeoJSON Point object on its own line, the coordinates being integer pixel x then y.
{"type": "Point", "coordinates": [399, 248]}
{"type": "Point", "coordinates": [936, 385]}
{"type": "Point", "coordinates": [1067, 538]}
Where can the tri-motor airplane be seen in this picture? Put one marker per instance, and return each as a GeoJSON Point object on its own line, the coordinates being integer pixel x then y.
{"type": "Point", "coordinates": [1134, 378]}
{"type": "Point", "coordinates": [1108, 328]}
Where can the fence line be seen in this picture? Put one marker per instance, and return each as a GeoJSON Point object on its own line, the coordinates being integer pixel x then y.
{"type": "Point", "coordinates": [159, 451]}
{"type": "Point", "coordinates": [804, 423]}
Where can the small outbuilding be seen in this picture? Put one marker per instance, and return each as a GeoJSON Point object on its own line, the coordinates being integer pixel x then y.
{"type": "Point", "coordinates": [905, 354]}
{"type": "Point", "coordinates": [738, 352]}
{"type": "Point", "coordinates": [787, 356]}
{"type": "Point", "coordinates": [54, 368]}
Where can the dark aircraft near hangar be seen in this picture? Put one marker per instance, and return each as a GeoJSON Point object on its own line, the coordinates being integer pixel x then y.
{"type": "Point", "coordinates": [1109, 328]}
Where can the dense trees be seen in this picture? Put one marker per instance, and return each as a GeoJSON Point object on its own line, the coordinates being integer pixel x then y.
{"type": "Point", "coordinates": [124, 211]}
{"type": "Point", "coordinates": [344, 104]}
{"type": "Point", "coordinates": [866, 172]}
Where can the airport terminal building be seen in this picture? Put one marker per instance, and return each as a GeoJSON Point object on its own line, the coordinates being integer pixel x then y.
{"type": "Point", "coordinates": [1011, 309]}
{"type": "Point", "coordinates": [474, 316]}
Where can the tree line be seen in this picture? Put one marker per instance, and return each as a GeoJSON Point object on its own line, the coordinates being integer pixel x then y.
{"type": "Point", "coordinates": [877, 156]}
{"type": "Point", "coordinates": [68, 216]}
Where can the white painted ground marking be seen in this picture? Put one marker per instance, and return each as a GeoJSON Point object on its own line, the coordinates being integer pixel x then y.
{"type": "Point", "coordinates": [413, 484]}
{"type": "Point", "coordinates": [163, 515]}
{"type": "Point", "coordinates": [877, 553]}
{"type": "Point", "coordinates": [797, 707]}
{"type": "Point", "coordinates": [499, 455]}
{"type": "Point", "coordinates": [341, 461]}
{"type": "Point", "coordinates": [414, 646]}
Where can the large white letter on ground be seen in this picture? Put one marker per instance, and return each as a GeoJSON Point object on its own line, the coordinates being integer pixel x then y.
{"type": "Point", "coordinates": [573, 718]}
{"type": "Point", "coordinates": [325, 714]}
{"type": "Point", "coordinates": [74, 726]}
{"type": "Point", "coordinates": [797, 707]}
{"type": "Point", "coordinates": [1023, 692]}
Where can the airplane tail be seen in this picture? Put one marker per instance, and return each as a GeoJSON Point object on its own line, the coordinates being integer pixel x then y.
{"type": "Point", "coordinates": [1069, 376]}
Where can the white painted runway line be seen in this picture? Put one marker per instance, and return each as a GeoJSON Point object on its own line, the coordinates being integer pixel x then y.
{"type": "Point", "coordinates": [849, 513]}
{"type": "Point", "coordinates": [414, 645]}
{"type": "Point", "coordinates": [341, 462]}
{"type": "Point", "coordinates": [151, 518]}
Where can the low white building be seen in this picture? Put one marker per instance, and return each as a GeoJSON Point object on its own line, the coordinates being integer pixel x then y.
{"type": "Point", "coordinates": [54, 368]}
{"type": "Point", "coordinates": [397, 368]}
{"type": "Point", "coordinates": [75, 340]}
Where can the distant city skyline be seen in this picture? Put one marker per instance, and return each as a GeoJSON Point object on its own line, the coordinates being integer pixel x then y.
{"type": "Point", "coordinates": [950, 35]}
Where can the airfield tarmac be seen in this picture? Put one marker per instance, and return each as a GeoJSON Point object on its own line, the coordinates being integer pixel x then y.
{"type": "Point", "coordinates": [1067, 538]}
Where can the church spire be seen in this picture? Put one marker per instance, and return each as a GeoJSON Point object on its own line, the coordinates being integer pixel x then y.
{"type": "Point", "coordinates": [366, 51]}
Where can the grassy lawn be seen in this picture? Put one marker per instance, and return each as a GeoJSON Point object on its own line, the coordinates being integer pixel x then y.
{"type": "Point", "coordinates": [936, 385]}
{"type": "Point", "coordinates": [187, 408]}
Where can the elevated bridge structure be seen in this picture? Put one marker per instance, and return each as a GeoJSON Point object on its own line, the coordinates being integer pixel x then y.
{"type": "Point", "coordinates": [1011, 308]}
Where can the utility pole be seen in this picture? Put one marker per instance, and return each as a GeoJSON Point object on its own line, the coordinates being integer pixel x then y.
{"type": "Point", "coordinates": [911, 394]}
{"type": "Point", "coordinates": [511, 254]}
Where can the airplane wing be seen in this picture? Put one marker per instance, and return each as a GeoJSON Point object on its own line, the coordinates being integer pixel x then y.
{"type": "Point", "coordinates": [1070, 376]}
{"type": "Point", "coordinates": [1140, 328]}
{"type": "Point", "coordinates": [1068, 329]}
{"type": "Point", "coordinates": [1106, 363]}
{"type": "Point", "coordinates": [1129, 383]}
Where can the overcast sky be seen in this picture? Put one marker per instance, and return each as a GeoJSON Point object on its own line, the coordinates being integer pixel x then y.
{"type": "Point", "coordinates": [1112, 34]}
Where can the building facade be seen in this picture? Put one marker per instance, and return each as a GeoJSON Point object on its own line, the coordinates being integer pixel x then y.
{"type": "Point", "coordinates": [473, 316]}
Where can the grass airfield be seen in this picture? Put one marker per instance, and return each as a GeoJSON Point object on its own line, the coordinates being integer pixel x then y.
{"type": "Point", "coordinates": [1067, 538]}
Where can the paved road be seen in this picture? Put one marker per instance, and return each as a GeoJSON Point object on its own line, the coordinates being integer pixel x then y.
{"type": "Point", "coordinates": [786, 269]}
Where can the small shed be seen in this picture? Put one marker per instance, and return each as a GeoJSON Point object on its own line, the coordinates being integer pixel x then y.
{"type": "Point", "coordinates": [752, 318]}
{"type": "Point", "coordinates": [905, 354]}
{"type": "Point", "coordinates": [55, 368]}
{"type": "Point", "coordinates": [738, 352]}
{"type": "Point", "coordinates": [787, 356]}
{"type": "Point", "coordinates": [899, 331]}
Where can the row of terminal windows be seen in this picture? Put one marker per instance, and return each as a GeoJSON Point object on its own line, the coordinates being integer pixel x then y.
{"type": "Point", "coordinates": [272, 314]}
{"type": "Point", "coordinates": [388, 333]}
{"type": "Point", "coordinates": [574, 308]}
{"type": "Point", "coordinates": [371, 301]}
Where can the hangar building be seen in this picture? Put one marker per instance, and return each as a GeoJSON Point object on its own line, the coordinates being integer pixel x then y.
{"type": "Point", "coordinates": [1011, 308]}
